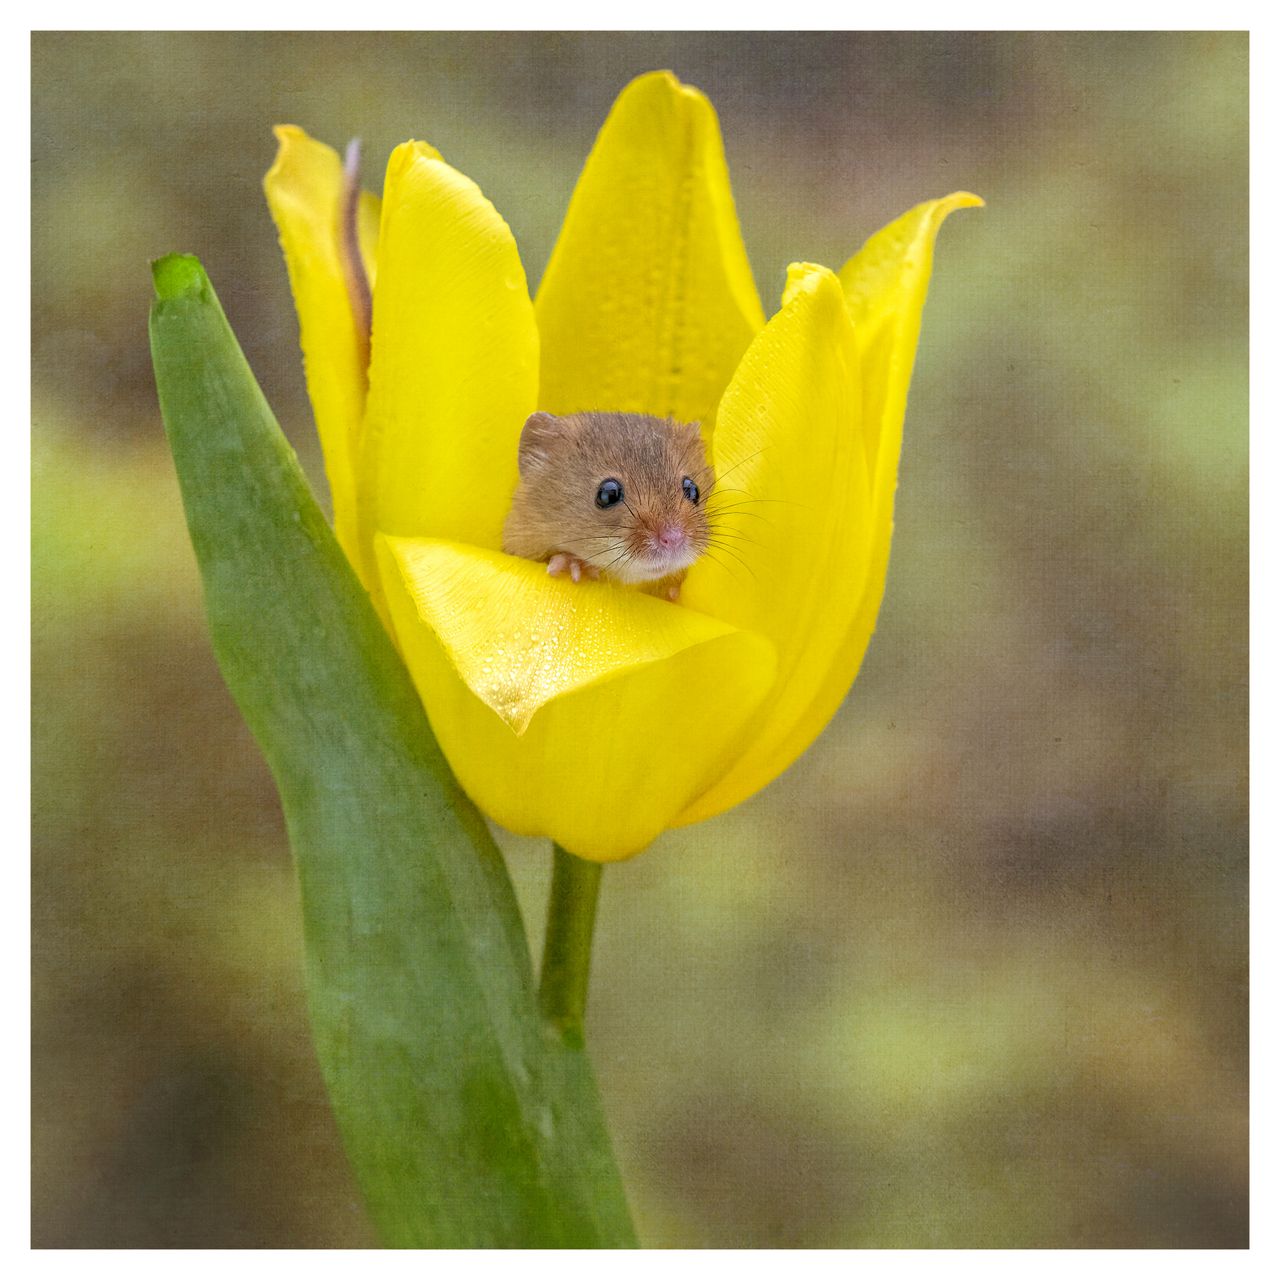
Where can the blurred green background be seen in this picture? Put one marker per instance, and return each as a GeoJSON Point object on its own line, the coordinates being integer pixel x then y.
{"type": "Point", "coordinates": [973, 973]}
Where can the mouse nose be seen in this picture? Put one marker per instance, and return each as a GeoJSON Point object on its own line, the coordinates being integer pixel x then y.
{"type": "Point", "coordinates": [670, 538]}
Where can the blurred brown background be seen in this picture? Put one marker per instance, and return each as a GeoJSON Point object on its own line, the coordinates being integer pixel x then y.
{"type": "Point", "coordinates": [973, 973]}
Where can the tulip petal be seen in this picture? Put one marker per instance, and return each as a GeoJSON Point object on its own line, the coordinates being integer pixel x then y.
{"type": "Point", "coordinates": [304, 193]}
{"type": "Point", "coordinates": [859, 394]}
{"type": "Point", "coordinates": [648, 301]}
{"type": "Point", "coordinates": [790, 514]}
{"type": "Point", "coordinates": [885, 284]}
{"type": "Point", "coordinates": [584, 712]}
{"type": "Point", "coordinates": [455, 361]}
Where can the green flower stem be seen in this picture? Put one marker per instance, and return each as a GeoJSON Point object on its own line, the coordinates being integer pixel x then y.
{"type": "Point", "coordinates": [566, 953]}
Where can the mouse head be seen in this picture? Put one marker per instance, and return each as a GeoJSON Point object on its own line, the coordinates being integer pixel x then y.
{"type": "Point", "coordinates": [631, 490]}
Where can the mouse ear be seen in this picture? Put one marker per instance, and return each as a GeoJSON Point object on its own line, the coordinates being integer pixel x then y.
{"type": "Point", "coordinates": [689, 434]}
{"type": "Point", "coordinates": [540, 432]}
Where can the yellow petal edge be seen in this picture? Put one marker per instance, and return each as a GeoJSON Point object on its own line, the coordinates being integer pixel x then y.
{"type": "Point", "coordinates": [884, 285]}
{"type": "Point", "coordinates": [579, 711]}
{"type": "Point", "coordinates": [648, 301]}
{"type": "Point", "coordinates": [304, 192]}
{"type": "Point", "coordinates": [455, 361]}
{"type": "Point", "coordinates": [791, 511]}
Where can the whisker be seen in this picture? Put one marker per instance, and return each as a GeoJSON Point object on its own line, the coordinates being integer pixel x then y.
{"type": "Point", "coordinates": [719, 535]}
{"type": "Point", "coordinates": [742, 462]}
{"type": "Point", "coordinates": [729, 531]}
{"type": "Point", "coordinates": [594, 537]}
{"type": "Point", "coordinates": [729, 551]}
{"type": "Point", "coordinates": [625, 553]}
{"type": "Point", "coordinates": [729, 569]}
{"type": "Point", "coordinates": [788, 501]}
{"type": "Point", "coordinates": [737, 511]}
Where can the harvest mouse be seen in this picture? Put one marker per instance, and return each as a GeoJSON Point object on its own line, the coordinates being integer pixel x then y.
{"type": "Point", "coordinates": [618, 494]}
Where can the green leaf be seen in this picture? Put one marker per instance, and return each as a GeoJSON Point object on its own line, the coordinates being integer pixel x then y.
{"type": "Point", "coordinates": [469, 1123]}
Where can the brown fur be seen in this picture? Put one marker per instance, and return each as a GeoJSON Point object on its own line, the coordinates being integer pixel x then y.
{"type": "Point", "coordinates": [564, 460]}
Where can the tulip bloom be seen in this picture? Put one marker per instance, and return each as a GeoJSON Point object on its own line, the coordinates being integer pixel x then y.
{"type": "Point", "coordinates": [587, 712]}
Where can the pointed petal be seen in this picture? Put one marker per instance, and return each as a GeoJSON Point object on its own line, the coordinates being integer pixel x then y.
{"type": "Point", "coordinates": [864, 400]}
{"type": "Point", "coordinates": [304, 192]}
{"type": "Point", "coordinates": [455, 361]}
{"type": "Point", "coordinates": [885, 284]}
{"type": "Point", "coordinates": [790, 514]}
{"type": "Point", "coordinates": [648, 301]}
{"type": "Point", "coordinates": [583, 712]}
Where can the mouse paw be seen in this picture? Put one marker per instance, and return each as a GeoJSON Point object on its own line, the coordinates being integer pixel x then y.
{"type": "Point", "coordinates": [668, 588]}
{"type": "Point", "coordinates": [561, 564]}
{"type": "Point", "coordinates": [665, 588]}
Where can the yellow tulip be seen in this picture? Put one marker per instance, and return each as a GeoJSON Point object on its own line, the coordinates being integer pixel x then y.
{"type": "Point", "coordinates": [587, 712]}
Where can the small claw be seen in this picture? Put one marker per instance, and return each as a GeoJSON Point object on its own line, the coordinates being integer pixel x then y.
{"type": "Point", "coordinates": [673, 593]}
{"type": "Point", "coordinates": [575, 570]}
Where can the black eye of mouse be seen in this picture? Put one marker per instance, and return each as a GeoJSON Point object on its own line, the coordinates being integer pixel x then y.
{"type": "Point", "coordinates": [690, 490]}
{"type": "Point", "coordinates": [609, 493]}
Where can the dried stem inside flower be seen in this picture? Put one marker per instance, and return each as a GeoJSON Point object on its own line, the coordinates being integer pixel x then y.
{"type": "Point", "coordinates": [358, 290]}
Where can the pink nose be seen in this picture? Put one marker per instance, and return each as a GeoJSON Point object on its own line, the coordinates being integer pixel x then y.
{"type": "Point", "coordinates": [670, 538]}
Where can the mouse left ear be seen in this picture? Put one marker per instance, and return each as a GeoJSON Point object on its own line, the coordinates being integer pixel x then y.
{"type": "Point", "coordinates": [539, 433]}
{"type": "Point", "coordinates": [689, 433]}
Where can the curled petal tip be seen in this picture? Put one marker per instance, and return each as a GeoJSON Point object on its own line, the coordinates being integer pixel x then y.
{"type": "Point", "coordinates": [807, 277]}
{"type": "Point", "coordinates": [405, 156]}
{"type": "Point", "coordinates": [669, 79]}
{"type": "Point", "coordinates": [666, 84]}
{"type": "Point", "coordinates": [286, 136]}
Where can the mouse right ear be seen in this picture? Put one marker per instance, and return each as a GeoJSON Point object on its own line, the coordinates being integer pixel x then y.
{"type": "Point", "coordinates": [540, 431]}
